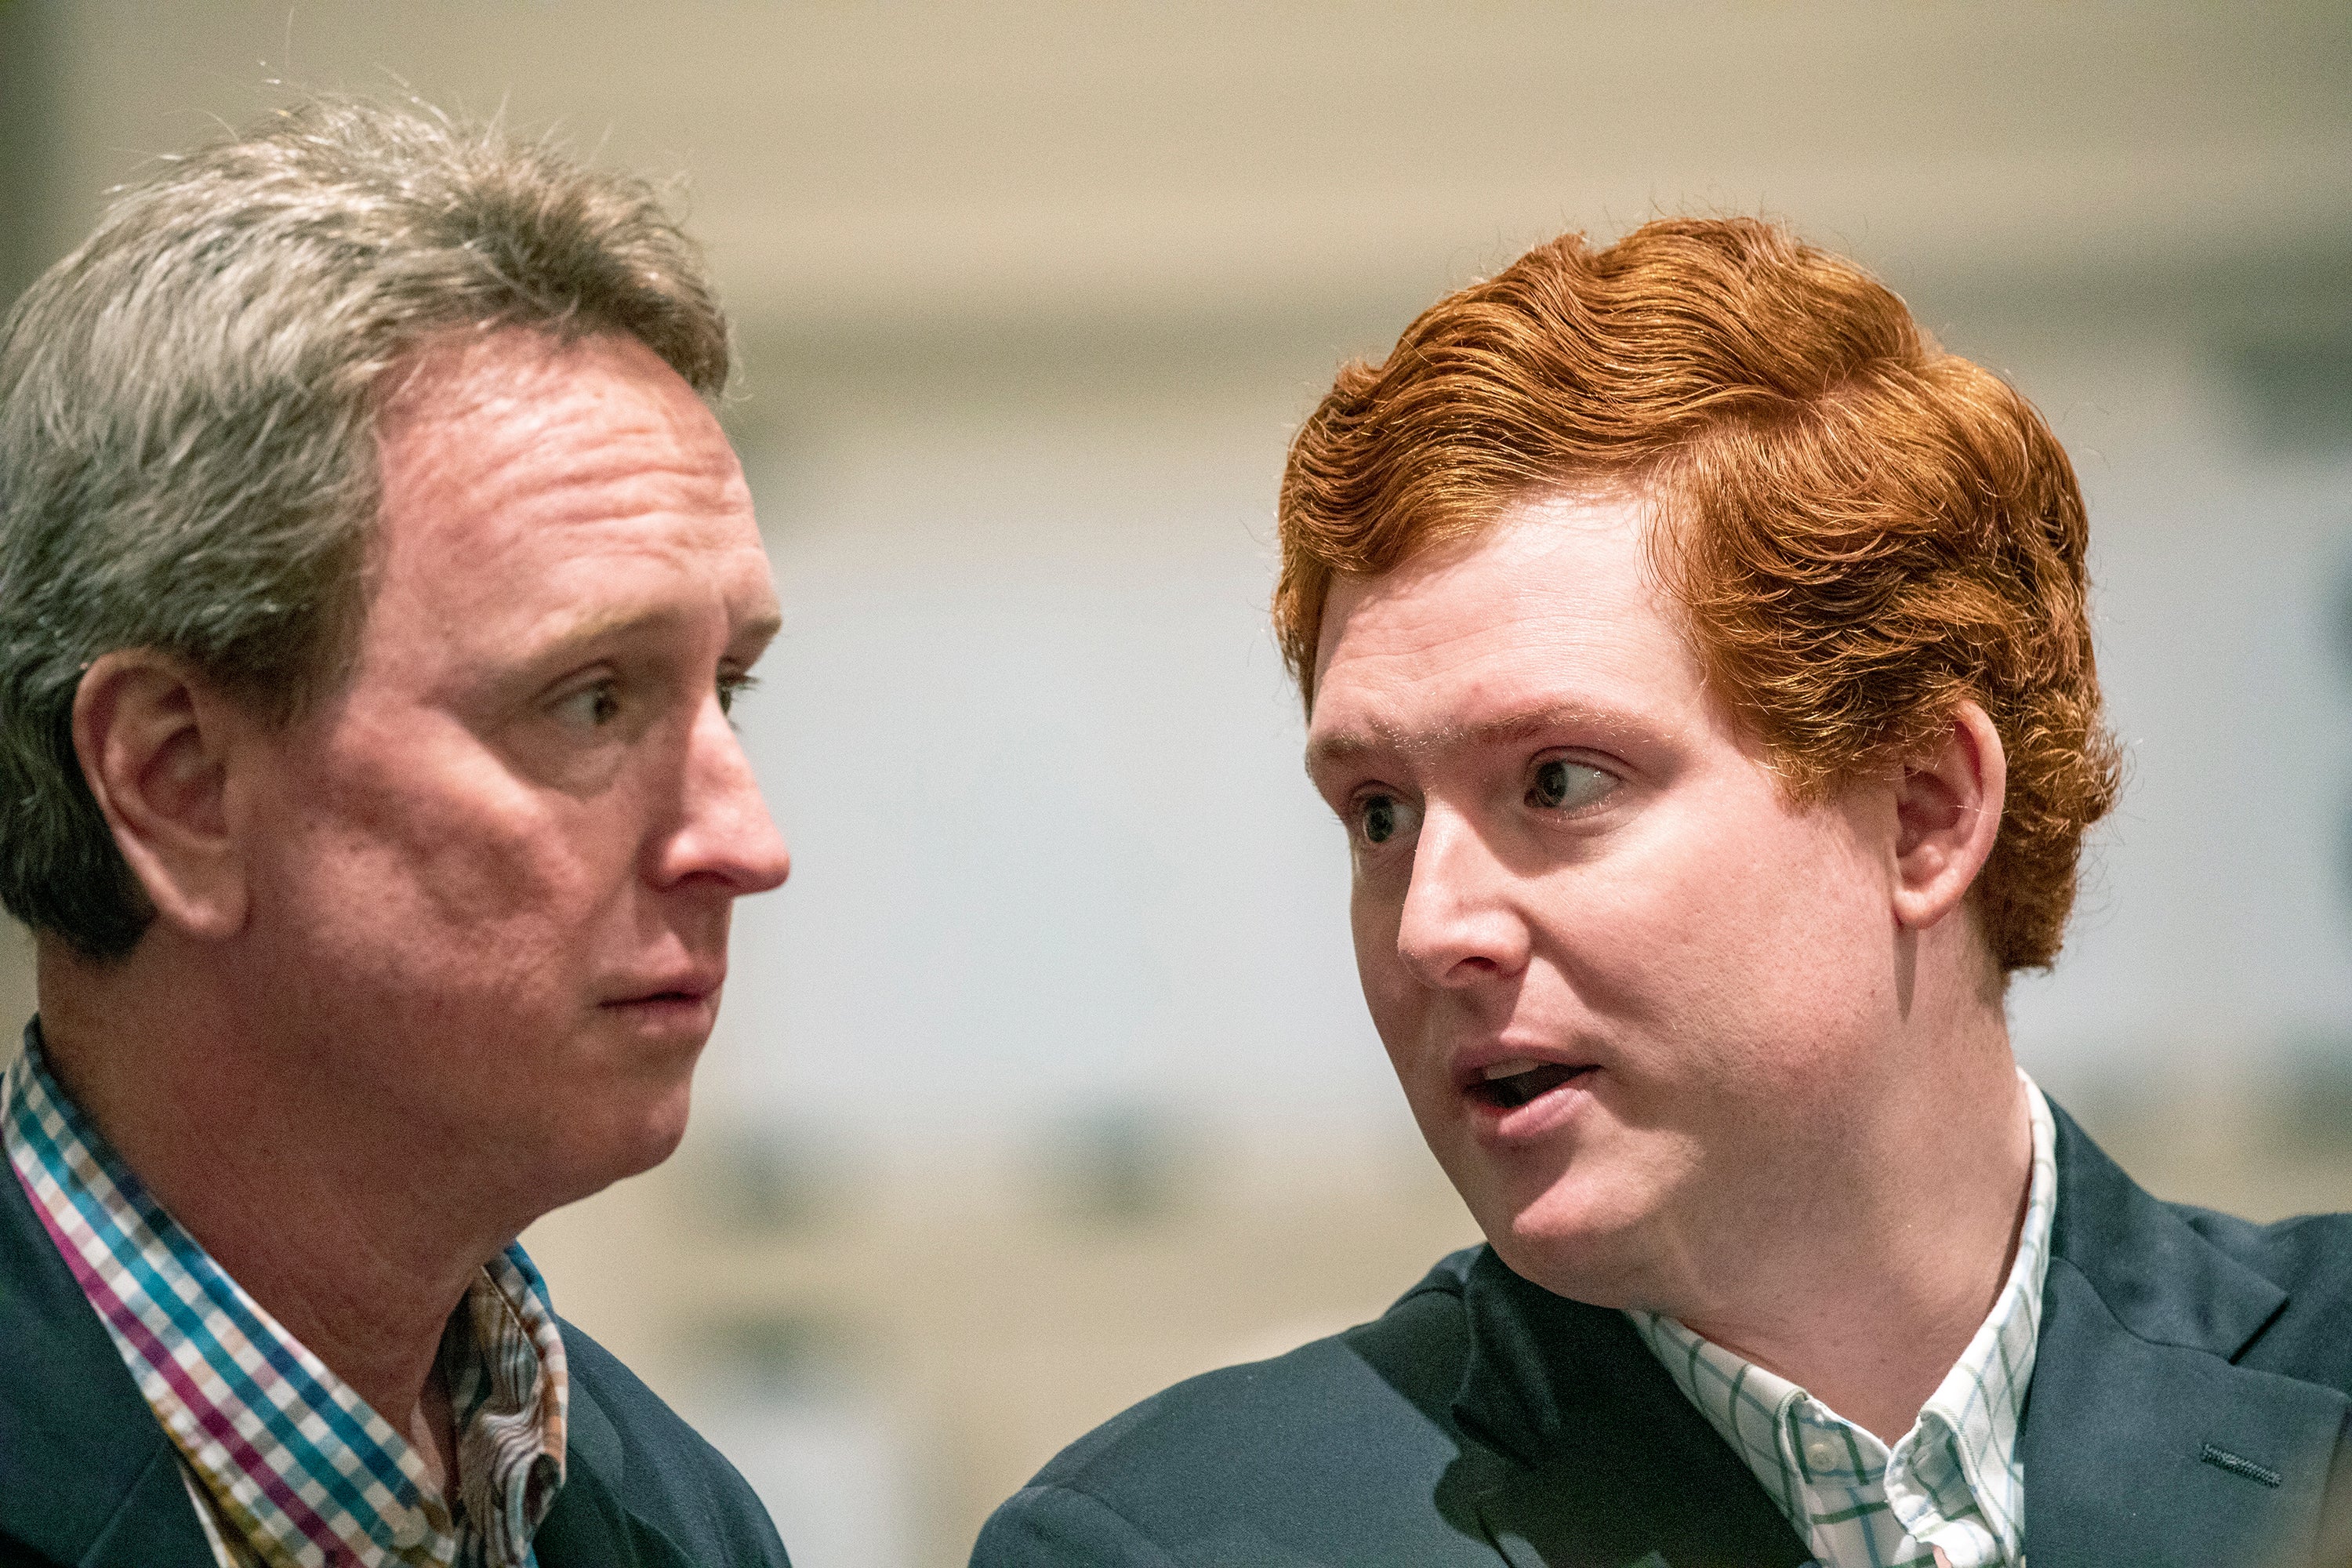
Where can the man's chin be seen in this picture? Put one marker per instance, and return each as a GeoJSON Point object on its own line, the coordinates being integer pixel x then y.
{"type": "Point", "coordinates": [656, 1135]}
{"type": "Point", "coordinates": [595, 1154]}
{"type": "Point", "coordinates": [1568, 1243]}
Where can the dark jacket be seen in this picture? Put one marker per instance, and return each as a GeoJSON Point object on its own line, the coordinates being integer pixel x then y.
{"type": "Point", "coordinates": [2189, 1406]}
{"type": "Point", "coordinates": [88, 1479]}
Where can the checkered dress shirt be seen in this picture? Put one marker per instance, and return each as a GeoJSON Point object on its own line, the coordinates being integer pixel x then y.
{"type": "Point", "coordinates": [1952, 1483]}
{"type": "Point", "coordinates": [287, 1467]}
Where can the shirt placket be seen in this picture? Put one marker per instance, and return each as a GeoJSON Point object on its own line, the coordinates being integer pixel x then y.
{"type": "Point", "coordinates": [1845, 1471]}
{"type": "Point", "coordinates": [1930, 1489]}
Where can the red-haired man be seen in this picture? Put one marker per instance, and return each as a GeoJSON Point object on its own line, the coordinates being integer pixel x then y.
{"type": "Point", "coordinates": [1696, 657]}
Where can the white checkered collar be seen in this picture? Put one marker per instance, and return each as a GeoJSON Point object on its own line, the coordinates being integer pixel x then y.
{"type": "Point", "coordinates": [1954, 1480]}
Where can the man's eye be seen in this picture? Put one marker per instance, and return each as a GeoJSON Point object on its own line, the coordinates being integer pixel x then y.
{"type": "Point", "coordinates": [1559, 785]}
{"type": "Point", "coordinates": [1382, 818]}
{"type": "Point", "coordinates": [730, 687]}
{"type": "Point", "coordinates": [590, 708]}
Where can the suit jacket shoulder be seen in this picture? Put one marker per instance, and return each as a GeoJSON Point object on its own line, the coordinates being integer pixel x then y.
{"type": "Point", "coordinates": [2190, 1406]}
{"type": "Point", "coordinates": [1479, 1420]}
{"type": "Point", "coordinates": [1330, 1453]}
{"type": "Point", "coordinates": [2192, 1389]}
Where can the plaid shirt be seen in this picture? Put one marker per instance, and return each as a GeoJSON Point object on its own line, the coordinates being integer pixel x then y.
{"type": "Point", "coordinates": [1951, 1484]}
{"type": "Point", "coordinates": [287, 1467]}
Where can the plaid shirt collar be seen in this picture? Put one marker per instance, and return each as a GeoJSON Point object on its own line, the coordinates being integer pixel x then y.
{"type": "Point", "coordinates": [287, 1467]}
{"type": "Point", "coordinates": [1953, 1483]}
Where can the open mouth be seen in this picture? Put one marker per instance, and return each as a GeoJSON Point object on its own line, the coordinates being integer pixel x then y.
{"type": "Point", "coordinates": [1509, 1084]}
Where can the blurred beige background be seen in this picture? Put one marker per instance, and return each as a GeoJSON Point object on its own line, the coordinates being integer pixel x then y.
{"type": "Point", "coordinates": [1044, 1082]}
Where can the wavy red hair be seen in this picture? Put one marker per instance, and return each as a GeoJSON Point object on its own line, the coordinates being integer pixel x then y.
{"type": "Point", "coordinates": [1861, 529]}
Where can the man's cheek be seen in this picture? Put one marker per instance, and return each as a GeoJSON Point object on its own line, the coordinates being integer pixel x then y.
{"type": "Point", "coordinates": [1374, 917]}
{"type": "Point", "coordinates": [470, 869]}
{"type": "Point", "coordinates": [1400, 1010]}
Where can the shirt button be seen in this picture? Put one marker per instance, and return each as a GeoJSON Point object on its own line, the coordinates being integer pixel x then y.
{"type": "Point", "coordinates": [408, 1530]}
{"type": "Point", "coordinates": [1821, 1453]}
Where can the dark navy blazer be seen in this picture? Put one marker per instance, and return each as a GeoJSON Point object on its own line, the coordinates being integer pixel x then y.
{"type": "Point", "coordinates": [87, 1479]}
{"type": "Point", "coordinates": [2189, 1407]}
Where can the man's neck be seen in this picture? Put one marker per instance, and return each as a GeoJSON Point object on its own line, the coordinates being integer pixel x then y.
{"type": "Point", "coordinates": [360, 1249]}
{"type": "Point", "coordinates": [1871, 1309]}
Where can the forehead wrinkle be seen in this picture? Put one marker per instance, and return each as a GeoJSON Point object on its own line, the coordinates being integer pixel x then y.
{"type": "Point", "coordinates": [518, 497]}
{"type": "Point", "coordinates": [473, 416]}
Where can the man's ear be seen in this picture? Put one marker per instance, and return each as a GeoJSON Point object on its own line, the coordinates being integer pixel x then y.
{"type": "Point", "coordinates": [153, 740]}
{"type": "Point", "coordinates": [1948, 801]}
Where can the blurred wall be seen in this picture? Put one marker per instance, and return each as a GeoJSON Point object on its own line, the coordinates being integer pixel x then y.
{"type": "Point", "coordinates": [1045, 1080]}
{"type": "Point", "coordinates": [30, 236]}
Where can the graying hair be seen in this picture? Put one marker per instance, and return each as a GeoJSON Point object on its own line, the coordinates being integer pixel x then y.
{"type": "Point", "coordinates": [187, 420]}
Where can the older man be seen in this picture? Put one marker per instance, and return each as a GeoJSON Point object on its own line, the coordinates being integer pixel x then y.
{"type": "Point", "coordinates": [1697, 658]}
{"type": "Point", "coordinates": [374, 582]}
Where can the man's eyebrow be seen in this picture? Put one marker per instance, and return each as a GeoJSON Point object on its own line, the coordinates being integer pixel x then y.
{"type": "Point", "coordinates": [1525, 724]}
{"type": "Point", "coordinates": [567, 638]}
{"type": "Point", "coordinates": [588, 625]}
{"type": "Point", "coordinates": [761, 629]}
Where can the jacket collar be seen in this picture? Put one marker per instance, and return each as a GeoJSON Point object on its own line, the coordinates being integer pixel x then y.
{"type": "Point", "coordinates": [2144, 1441]}
{"type": "Point", "coordinates": [1586, 1451]}
{"type": "Point", "coordinates": [2160, 1280]}
{"type": "Point", "coordinates": [590, 1526]}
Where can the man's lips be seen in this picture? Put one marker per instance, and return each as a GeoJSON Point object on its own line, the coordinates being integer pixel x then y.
{"type": "Point", "coordinates": [1509, 1084]}
{"type": "Point", "coordinates": [1501, 1079]}
{"type": "Point", "coordinates": [686, 988]}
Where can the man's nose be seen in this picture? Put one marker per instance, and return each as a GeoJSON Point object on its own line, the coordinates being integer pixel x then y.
{"type": "Point", "coordinates": [1461, 920]}
{"type": "Point", "coordinates": [724, 830]}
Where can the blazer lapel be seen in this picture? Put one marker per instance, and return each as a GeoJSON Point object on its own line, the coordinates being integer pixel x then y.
{"type": "Point", "coordinates": [2142, 1441]}
{"type": "Point", "coordinates": [589, 1526]}
{"type": "Point", "coordinates": [1593, 1458]}
{"type": "Point", "coordinates": [87, 1476]}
